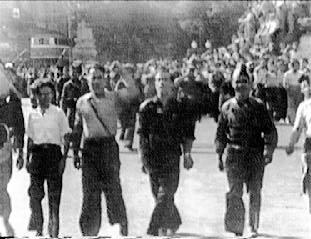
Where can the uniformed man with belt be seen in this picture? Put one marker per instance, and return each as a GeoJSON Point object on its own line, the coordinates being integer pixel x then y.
{"type": "Point", "coordinates": [47, 131]}
{"type": "Point", "coordinates": [242, 122]}
{"type": "Point", "coordinates": [164, 135]}
{"type": "Point", "coordinates": [96, 119]}
{"type": "Point", "coordinates": [11, 123]}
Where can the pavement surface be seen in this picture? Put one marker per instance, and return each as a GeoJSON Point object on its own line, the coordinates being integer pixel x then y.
{"type": "Point", "coordinates": [200, 197]}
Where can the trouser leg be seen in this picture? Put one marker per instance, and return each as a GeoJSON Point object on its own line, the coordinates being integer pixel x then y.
{"type": "Point", "coordinates": [111, 185]}
{"type": "Point", "coordinates": [165, 214]}
{"type": "Point", "coordinates": [54, 193]}
{"type": "Point", "coordinates": [90, 218]}
{"type": "Point", "coordinates": [306, 175]}
{"type": "Point", "coordinates": [254, 186]}
{"type": "Point", "coordinates": [36, 194]}
{"type": "Point", "coordinates": [235, 211]}
{"type": "Point", "coordinates": [5, 200]}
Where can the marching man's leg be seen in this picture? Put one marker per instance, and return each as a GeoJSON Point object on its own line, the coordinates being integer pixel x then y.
{"type": "Point", "coordinates": [5, 201]}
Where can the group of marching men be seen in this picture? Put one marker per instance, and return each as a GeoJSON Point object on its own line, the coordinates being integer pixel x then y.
{"type": "Point", "coordinates": [166, 129]}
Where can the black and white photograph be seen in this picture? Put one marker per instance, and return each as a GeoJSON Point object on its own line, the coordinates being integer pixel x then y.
{"type": "Point", "coordinates": [155, 119]}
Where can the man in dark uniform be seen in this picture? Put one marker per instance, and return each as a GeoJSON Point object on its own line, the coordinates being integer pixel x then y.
{"type": "Point", "coordinates": [71, 93]}
{"type": "Point", "coordinates": [163, 136]}
{"type": "Point", "coordinates": [11, 122]}
{"type": "Point", "coordinates": [247, 131]}
{"type": "Point", "coordinates": [62, 80]}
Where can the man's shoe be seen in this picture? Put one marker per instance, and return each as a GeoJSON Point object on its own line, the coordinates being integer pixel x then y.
{"type": "Point", "coordinates": [254, 233]}
{"type": "Point", "coordinates": [39, 234]}
{"type": "Point", "coordinates": [238, 234]}
{"type": "Point", "coordinates": [123, 229]}
{"type": "Point", "coordinates": [162, 232]}
{"type": "Point", "coordinates": [171, 231]}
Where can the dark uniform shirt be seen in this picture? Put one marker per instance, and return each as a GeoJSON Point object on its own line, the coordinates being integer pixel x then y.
{"type": "Point", "coordinates": [12, 115]}
{"type": "Point", "coordinates": [161, 133]}
{"type": "Point", "coordinates": [70, 95]}
{"type": "Point", "coordinates": [241, 125]}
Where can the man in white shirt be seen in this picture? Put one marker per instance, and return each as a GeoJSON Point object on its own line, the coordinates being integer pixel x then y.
{"type": "Point", "coordinates": [303, 123]}
{"type": "Point", "coordinates": [48, 130]}
{"type": "Point", "coordinates": [292, 86]}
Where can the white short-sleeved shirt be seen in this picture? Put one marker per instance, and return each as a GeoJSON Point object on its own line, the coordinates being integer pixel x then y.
{"type": "Point", "coordinates": [107, 111]}
{"type": "Point", "coordinates": [303, 118]}
{"type": "Point", "coordinates": [47, 128]}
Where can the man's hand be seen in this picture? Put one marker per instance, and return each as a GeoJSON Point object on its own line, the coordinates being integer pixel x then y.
{"type": "Point", "coordinates": [221, 166]}
{"type": "Point", "coordinates": [67, 137]}
{"type": "Point", "coordinates": [188, 161]}
{"type": "Point", "coordinates": [77, 163]}
{"type": "Point", "coordinates": [20, 160]}
{"type": "Point", "coordinates": [289, 149]}
{"type": "Point", "coordinates": [267, 157]}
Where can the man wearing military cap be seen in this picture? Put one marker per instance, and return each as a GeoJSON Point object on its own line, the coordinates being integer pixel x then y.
{"type": "Point", "coordinates": [247, 131]}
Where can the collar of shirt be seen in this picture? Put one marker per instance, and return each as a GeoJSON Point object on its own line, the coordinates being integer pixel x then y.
{"type": "Point", "coordinates": [43, 111]}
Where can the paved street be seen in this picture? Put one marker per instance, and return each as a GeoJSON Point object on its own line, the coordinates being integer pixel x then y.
{"type": "Point", "coordinates": [200, 198]}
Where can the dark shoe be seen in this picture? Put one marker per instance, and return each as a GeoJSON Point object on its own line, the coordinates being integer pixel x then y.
{"type": "Point", "coordinates": [123, 229]}
{"type": "Point", "coordinates": [238, 234]}
{"type": "Point", "coordinates": [254, 233]}
{"type": "Point", "coordinates": [39, 234]}
{"type": "Point", "coordinates": [171, 231]}
{"type": "Point", "coordinates": [162, 232]}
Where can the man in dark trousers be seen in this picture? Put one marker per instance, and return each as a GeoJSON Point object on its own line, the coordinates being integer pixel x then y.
{"type": "Point", "coordinates": [164, 135]}
{"type": "Point", "coordinates": [48, 130]}
{"type": "Point", "coordinates": [96, 118]}
{"type": "Point", "coordinates": [11, 124]}
{"type": "Point", "coordinates": [71, 92]}
{"type": "Point", "coordinates": [247, 131]}
{"type": "Point", "coordinates": [129, 108]}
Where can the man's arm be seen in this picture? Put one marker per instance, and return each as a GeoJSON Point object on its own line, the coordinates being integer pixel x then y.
{"type": "Point", "coordinates": [221, 137]}
{"type": "Point", "coordinates": [299, 125]}
{"type": "Point", "coordinates": [63, 98]}
{"type": "Point", "coordinates": [17, 119]}
{"type": "Point", "coordinates": [76, 137]}
{"type": "Point", "coordinates": [143, 132]}
{"type": "Point", "coordinates": [270, 134]}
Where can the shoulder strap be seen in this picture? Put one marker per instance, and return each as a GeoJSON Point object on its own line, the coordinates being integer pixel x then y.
{"type": "Point", "coordinates": [97, 116]}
